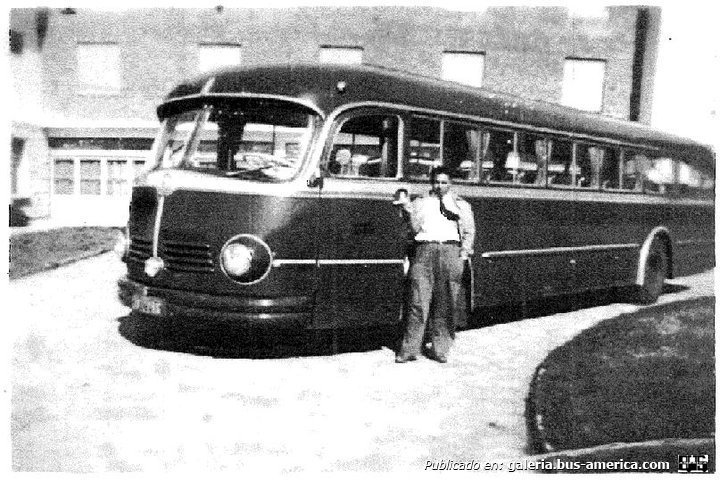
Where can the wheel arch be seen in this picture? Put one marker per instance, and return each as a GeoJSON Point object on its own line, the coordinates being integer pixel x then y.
{"type": "Point", "coordinates": [663, 235]}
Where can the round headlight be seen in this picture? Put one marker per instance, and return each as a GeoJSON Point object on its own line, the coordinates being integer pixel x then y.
{"type": "Point", "coordinates": [246, 259]}
{"type": "Point", "coordinates": [237, 259]}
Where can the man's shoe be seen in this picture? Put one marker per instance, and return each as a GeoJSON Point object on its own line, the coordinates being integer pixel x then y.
{"type": "Point", "coordinates": [438, 358]}
{"type": "Point", "coordinates": [404, 358]}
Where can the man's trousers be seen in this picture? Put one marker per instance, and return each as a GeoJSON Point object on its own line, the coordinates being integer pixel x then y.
{"type": "Point", "coordinates": [435, 283]}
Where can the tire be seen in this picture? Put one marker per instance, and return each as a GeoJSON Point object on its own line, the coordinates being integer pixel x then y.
{"type": "Point", "coordinates": [655, 273]}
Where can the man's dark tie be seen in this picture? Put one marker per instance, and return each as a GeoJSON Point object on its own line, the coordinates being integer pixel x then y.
{"type": "Point", "coordinates": [447, 213]}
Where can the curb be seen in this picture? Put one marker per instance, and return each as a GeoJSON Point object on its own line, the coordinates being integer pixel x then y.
{"type": "Point", "coordinates": [680, 443]}
{"type": "Point", "coordinates": [76, 258]}
{"type": "Point", "coordinates": [665, 456]}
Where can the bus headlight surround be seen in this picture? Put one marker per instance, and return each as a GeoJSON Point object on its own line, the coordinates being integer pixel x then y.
{"type": "Point", "coordinates": [246, 259]}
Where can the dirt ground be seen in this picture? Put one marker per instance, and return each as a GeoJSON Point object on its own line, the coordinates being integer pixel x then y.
{"type": "Point", "coordinates": [87, 399]}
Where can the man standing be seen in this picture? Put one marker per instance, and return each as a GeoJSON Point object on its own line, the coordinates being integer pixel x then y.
{"type": "Point", "coordinates": [444, 229]}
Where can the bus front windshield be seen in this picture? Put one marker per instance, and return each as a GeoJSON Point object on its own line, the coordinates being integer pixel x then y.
{"type": "Point", "coordinates": [256, 141]}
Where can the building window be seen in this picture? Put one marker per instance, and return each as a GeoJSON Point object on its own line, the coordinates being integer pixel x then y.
{"type": "Point", "coordinates": [90, 177]}
{"type": "Point", "coordinates": [117, 177]}
{"type": "Point", "coordinates": [99, 67]}
{"type": "Point", "coordinates": [64, 177]}
{"type": "Point", "coordinates": [583, 81]}
{"type": "Point", "coordinates": [100, 143]}
{"type": "Point", "coordinates": [16, 42]}
{"type": "Point", "coordinates": [341, 55]}
{"type": "Point", "coordinates": [215, 56]}
{"type": "Point", "coordinates": [18, 146]}
{"type": "Point", "coordinates": [588, 10]}
{"type": "Point", "coordinates": [463, 67]}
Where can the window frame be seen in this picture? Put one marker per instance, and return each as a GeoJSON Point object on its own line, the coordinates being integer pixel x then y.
{"type": "Point", "coordinates": [572, 168]}
{"type": "Point", "coordinates": [336, 128]}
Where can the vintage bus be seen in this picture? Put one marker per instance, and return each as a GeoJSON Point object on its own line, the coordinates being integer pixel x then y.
{"type": "Point", "coordinates": [268, 200]}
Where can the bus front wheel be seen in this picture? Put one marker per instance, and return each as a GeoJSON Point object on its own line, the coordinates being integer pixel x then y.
{"type": "Point", "coordinates": [655, 274]}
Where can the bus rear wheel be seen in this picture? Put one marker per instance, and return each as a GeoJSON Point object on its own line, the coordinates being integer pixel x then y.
{"type": "Point", "coordinates": [655, 274]}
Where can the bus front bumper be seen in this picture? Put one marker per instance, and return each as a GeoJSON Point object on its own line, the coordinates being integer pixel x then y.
{"type": "Point", "coordinates": [283, 312]}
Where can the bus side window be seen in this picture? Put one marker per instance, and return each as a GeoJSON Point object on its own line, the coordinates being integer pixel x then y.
{"type": "Point", "coordinates": [694, 183]}
{"type": "Point", "coordinates": [534, 153]}
{"type": "Point", "coordinates": [424, 147]}
{"type": "Point", "coordinates": [659, 175]}
{"type": "Point", "coordinates": [589, 159]}
{"type": "Point", "coordinates": [610, 170]}
{"type": "Point", "coordinates": [497, 145]}
{"type": "Point", "coordinates": [461, 144]}
{"type": "Point", "coordinates": [560, 164]}
{"type": "Point", "coordinates": [365, 146]}
{"type": "Point", "coordinates": [634, 164]}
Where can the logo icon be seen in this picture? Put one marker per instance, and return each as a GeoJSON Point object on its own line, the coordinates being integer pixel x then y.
{"type": "Point", "coordinates": [693, 463]}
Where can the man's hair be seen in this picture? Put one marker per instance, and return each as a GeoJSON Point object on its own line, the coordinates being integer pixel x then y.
{"type": "Point", "coordinates": [438, 171]}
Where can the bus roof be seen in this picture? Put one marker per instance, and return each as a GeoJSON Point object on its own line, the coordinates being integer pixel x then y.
{"type": "Point", "coordinates": [317, 85]}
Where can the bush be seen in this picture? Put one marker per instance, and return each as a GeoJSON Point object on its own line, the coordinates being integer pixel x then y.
{"type": "Point", "coordinates": [642, 376]}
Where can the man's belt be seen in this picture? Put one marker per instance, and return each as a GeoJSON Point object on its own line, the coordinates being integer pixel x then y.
{"type": "Point", "coordinates": [439, 242]}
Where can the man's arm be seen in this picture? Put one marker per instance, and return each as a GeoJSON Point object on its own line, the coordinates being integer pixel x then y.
{"type": "Point", "coordinates": [466, 227]}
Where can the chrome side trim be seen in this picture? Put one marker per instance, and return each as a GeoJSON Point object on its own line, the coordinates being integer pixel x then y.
{"type": "Point", "coordinates": [338, 261]}
{"type": "Point", "coordinates": [283, 262]}
{"type": "Point", "coordinates": [158, 221]}
{"type": "Point", "coordinates": [383, 189]}
{"type": "Point", "coordinates": [698, 241]}
{"type": "Point", "coordinates": [556, 250]}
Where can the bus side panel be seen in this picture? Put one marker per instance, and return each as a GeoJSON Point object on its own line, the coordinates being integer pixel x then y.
{"type": "Point", "coordinates": [372, 236]}
{"type": "Point", "coordinates": [507, 228]}
{"type": "Point", "coordinates": [694, 235]}
{"type": "Point", "coordinates": [606, 227]}
{"type": "Point", "coordinates": [515, 260]}
{"type": "Point", "coordinates": [691, 259]}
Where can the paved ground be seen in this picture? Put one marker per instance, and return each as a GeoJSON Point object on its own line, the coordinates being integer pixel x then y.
{"type": "Point", "coordinates": [86, 399]}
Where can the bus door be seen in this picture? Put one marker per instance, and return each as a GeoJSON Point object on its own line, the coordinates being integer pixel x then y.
{"type": "Point", "coordinates": [361, 237]}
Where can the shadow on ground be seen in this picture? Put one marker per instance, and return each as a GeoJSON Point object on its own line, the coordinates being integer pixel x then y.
{"type": "Point", "coordinates": [227, 340]}
{"type": "Point", "coordinates": [560, 304]}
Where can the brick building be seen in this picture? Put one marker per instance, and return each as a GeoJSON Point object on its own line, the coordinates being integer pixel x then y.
{"type": "Point", "coordinates": [87, 82]}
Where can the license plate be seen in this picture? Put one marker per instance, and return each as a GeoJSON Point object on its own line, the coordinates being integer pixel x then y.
{"type": "Point", "coordinates": [149, 305]}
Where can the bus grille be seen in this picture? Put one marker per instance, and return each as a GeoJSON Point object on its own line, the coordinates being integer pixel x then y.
{"type": "Point", "coordinates": [178, 256]}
